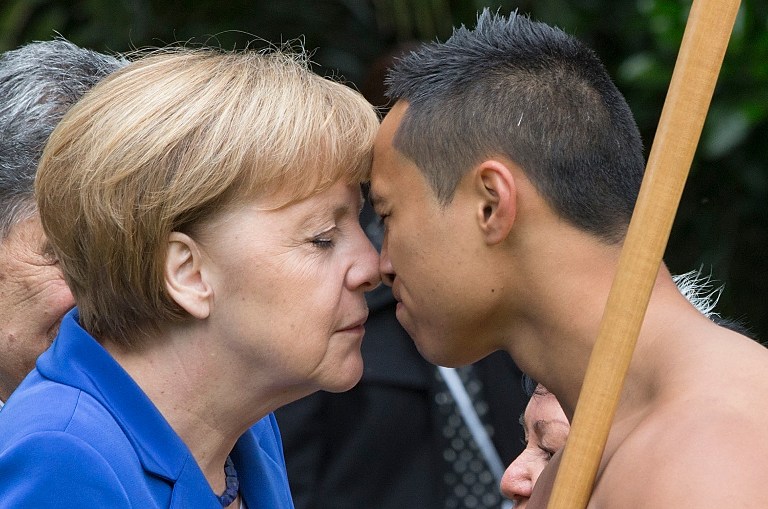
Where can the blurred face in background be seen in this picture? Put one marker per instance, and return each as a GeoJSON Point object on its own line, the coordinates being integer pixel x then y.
{"type": "Point", "coordinates": [546, 430]}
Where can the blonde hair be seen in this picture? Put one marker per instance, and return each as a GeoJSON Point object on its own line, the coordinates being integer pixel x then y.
{"type": "Point", "coordinates": [169, 141]}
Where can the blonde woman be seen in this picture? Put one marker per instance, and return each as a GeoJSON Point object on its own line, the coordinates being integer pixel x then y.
{"type": "Point", "coordinates": [204, 209]}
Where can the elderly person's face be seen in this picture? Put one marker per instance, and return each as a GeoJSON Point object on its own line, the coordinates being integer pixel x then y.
{"type": "Point", "coordinates": [289, 288]}
{"type": "Point", "coordinates": [546, 430]}
{"type": "Point", "coordinates": [33, 299]}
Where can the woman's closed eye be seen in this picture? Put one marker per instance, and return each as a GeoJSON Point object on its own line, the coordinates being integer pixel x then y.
{"type": "Point", "coordinates": [326, 239]}
{"type": "Point", "coordinates": [323, 243]}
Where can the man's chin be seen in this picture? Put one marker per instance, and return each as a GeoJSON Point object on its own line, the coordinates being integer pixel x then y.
{"type": "Point", "coordinates": [433, 350]}
{"type": "Point", "coordinates": [438, 351]}
{"type": "Point", "coordinates": [430, 344]}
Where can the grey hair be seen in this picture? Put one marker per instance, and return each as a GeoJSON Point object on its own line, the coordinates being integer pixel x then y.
{"type": "Point", "coordinates": [700, 291]}
{"type": "Point", "coordinates": [39, 82]}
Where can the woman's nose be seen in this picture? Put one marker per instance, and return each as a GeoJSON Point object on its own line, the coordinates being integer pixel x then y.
{"type": "Point", "coordinates": [365, 274]}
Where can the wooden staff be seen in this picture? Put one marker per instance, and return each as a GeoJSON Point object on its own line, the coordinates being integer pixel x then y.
{"type": "Point", "coordinates": [693, 81]}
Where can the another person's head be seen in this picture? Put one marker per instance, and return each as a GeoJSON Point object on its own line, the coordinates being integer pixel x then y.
{"type": "Point", "coordinates": [511, 93]}
{"type": "Point", "coordinates": [38, 84]}
{"type": "Point", "coordinates": [204, 189]}
{"type": "Point", "coordinates": [546, 430]}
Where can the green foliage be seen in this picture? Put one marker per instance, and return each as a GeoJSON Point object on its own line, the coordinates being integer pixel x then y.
{"type": "Point", "coordinates": [343, 35]}
{"type": "Point", "coordinates": [722, 223]}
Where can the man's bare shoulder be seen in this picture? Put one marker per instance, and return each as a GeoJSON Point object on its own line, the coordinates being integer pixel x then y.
{"type": "Point", "coordinates": [701, 440]}
{"type": "Point", "coordinates": [706, 447]}
{"type": "Point", "coordinates": [688, 462]}
{"type": "Point", "coordinates": [683, 460]}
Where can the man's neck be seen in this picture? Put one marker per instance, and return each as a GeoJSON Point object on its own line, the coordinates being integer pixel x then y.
{"type": "Point", "coordinates": [553, 329]}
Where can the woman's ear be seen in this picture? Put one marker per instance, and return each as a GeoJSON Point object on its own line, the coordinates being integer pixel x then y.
{"type": "Point", "coordinates": [185, 280]}
{"type": "Point", "coordinates": [497, 207]}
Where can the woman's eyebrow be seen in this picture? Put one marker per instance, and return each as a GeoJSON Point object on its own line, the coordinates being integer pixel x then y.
{"type": "Point", "coordinates": [322, 214]}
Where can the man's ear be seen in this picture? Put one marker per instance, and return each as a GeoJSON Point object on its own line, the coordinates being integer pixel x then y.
{"type": "Point", "coordinates": [185, 280]}
{"type": "Point", "coordinates": [497, 207]}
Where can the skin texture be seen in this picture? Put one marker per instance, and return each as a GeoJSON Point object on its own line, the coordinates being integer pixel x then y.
{"type": "Point", "coordinates": [497, 268]}
{"type": "Point", "coordinates": [276, 304]}
{"type": "Point", "coordinates": [309, 264]}
{"type": "Point", "coordinates": [33, 299]}
{"type": "Point", "coordinates": [546, 430]}
{"type": "Point", "coordinates": [434, 305]}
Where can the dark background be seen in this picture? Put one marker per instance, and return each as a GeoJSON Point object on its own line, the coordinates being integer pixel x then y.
{"type": "Point", "coordinates": [722, 223]}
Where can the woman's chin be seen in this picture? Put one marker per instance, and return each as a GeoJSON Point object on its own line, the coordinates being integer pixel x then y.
{"type": "Point", "coordinates": [346, 377]}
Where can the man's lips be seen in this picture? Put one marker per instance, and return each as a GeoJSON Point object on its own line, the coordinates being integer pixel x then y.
{"type": "Point", "coordinates": [396, 294]}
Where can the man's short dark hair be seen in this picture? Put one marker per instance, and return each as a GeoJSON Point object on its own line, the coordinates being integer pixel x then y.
{"type": "Point", "coordinates": [524, 90]}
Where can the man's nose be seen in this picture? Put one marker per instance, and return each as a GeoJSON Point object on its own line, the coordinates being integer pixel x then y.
{"type": "Point", "coordinates": [385, 265]}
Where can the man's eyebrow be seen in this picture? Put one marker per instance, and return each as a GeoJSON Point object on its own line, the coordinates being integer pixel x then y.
{"type": "Point", "coordinates": [374, 199]}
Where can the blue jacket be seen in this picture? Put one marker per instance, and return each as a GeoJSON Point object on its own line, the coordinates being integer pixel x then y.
{"type": "Point", "coordinates": [79, 432]}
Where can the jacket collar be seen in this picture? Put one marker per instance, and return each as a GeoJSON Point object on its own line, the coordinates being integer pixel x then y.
{"type": "Point", "coordinates": [78, 360]}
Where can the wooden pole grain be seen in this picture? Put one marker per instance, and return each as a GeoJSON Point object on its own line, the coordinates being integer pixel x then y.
{"type": "Point", "coordinates": [706, 37]}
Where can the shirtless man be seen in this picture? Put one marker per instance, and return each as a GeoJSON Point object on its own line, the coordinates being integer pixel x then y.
{"type": "Point", "coordinates": [506, 175]}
